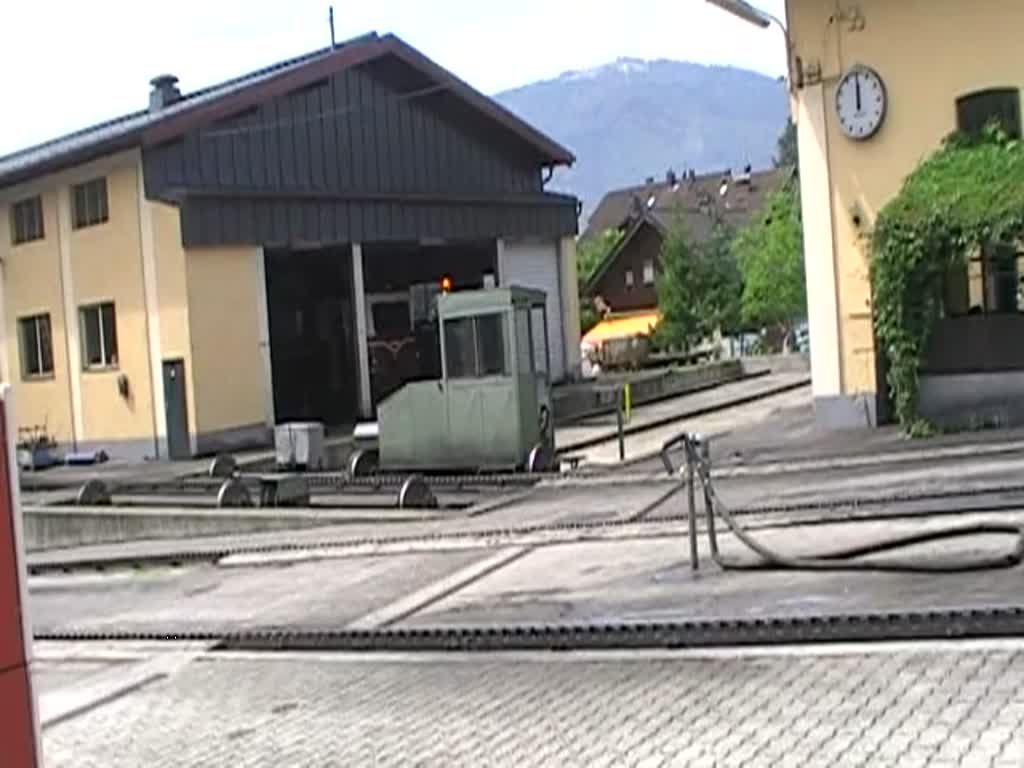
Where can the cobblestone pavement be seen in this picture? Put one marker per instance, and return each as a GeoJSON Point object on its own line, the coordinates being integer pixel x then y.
{"type": "Point", "coordinates": [912, 706]}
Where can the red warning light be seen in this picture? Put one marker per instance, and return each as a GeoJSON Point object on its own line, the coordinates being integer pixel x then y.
{"type": "Point", "coordinates": [446, 284]}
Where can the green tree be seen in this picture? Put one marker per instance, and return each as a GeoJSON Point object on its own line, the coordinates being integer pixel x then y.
{"type": "Point", "coordinates": [769, 252]}
{"type": "Point", "coordinates": [786, 153]}
{"type": "Point", "coordinates": [727, 279]}
{"type": "Point", "coordinates": [698, 287]}
{"type": "Point", "coordinates": [588, 316]}
{"type": "Point", "coordinates": [591, 253]}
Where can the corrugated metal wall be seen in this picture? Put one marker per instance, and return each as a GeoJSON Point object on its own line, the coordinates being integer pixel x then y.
{"type": "Point", "coordinates": [371, 153]}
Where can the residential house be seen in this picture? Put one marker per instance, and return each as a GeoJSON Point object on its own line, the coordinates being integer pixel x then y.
{"type": "Point", "coordinates": [624, 284]}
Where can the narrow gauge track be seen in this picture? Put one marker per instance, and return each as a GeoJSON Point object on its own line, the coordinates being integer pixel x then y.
{"type": "Point", "coordinates": [319, 483]}
{"type": "Point", "coordinates": [202, 483]}
{"type": "Point", "coordinates": [979, 622]}
{"type": "Point", "coordinates": [841, 510]}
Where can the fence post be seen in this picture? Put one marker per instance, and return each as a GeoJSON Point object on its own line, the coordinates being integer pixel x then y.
{"type": "Point", "coordinates": [691, 500]}
{"type": "Point", "coordinates": [619, 404]}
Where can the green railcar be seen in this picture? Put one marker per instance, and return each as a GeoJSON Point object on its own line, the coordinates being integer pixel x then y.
{"type": "Point", "coordinates": [491, 408]}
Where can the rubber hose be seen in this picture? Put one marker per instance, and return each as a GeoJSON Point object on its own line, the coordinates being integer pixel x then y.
{"type": "Point", "coordinates": [849, 559]}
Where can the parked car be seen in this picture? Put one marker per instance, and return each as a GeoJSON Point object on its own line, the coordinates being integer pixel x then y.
{"type": "Point", "coordinates": [802, 335]}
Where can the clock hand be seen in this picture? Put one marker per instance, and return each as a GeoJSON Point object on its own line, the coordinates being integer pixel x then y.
{"type": "Point", "coordinates": [857, 83]}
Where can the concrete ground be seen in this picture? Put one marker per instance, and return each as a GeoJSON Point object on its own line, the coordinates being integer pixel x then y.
{"type": "Point", "coordinates": [650, 580]}
{"type": "Point", "coordinates": [576, 439]}
{"type": "Point", "coordinates": [640, 446]}
{"type": "Point", "coordinates": [634, 578]}
{"type": "Point", "coordinates": [605, 549]}
{"type": "Point", "coordinates": [211, 599]}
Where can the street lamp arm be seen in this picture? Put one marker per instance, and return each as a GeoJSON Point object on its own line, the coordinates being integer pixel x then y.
{"type": "Point", "coordinates": [779, 22]}
{"type": "Point", "coordinates": [743, 10]}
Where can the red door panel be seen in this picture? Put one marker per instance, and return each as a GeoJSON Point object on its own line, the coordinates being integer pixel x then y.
{"type": "Point", "coordinates": [17, 747]}
{"type": "Point", "coordinates": [12, 651]}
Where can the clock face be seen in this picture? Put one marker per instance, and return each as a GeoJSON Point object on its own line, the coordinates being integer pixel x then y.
{"type": "Point", "coordinates": [861, 103]}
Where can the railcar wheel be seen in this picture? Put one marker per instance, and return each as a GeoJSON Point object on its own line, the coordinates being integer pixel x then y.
{"type": "Point", "coordinates": [416, 494]}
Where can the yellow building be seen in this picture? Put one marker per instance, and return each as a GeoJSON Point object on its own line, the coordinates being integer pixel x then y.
{"type": "Point", "coordinates": [876, 85]}
{"type": "Point", "coordinates": [176, 281]}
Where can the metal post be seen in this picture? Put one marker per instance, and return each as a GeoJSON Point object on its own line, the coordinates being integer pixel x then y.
{"type": "Point", "coordinates": [704, 447]}
{"type": "Point", "coordinates": [692, 507]}
{"type": "Point", "coordinates": [619, 403]}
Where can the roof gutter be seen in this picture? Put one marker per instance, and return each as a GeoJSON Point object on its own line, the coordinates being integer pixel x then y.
{"type": "Point", "coordinates": [75, 157]}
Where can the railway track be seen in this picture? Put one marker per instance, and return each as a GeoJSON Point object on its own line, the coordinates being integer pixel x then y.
{"type": "Point", "coordinates": [978, 621]}
{"type": "Point", "coordinates": [965, 623]}
{"type": "Point", "coordinates": [324, 482]}
{"type": "Point", "coordinates": [772, 516]}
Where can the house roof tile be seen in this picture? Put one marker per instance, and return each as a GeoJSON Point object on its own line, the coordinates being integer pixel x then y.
{"type": "Point", "coordinates": [689, 196]}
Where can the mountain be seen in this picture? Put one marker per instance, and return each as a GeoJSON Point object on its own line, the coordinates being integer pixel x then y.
{"type": "Point", "coordinates": [632, 119]}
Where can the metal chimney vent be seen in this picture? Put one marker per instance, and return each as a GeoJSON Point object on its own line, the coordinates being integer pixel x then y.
{"type": "Point", "coordinates": [165, 92]}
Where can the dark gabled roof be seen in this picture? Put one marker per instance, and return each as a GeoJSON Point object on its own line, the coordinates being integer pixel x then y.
{"type": "Point", "coordinates": [700, 203]}
{"type": "Point", "coordinates": [661, 199]}
{"type": "Point", "coordinates": [644, 220]}
{"type": "Point", "coordinates": [232, 96]}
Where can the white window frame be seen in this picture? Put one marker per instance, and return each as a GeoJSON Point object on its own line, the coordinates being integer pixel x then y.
{"type": "Point", "coordinates": [649, 272]}
{"type": "Point", "coordinates": [87, 216]}
{"type": "Point", "coordinates": [106, 363]}
{"type": "Point", "coordinates": [474, 323]}
{"type": "Point", "coordinates": [23, 212]}
{"type": "Point", "coordinates": [43, 373]}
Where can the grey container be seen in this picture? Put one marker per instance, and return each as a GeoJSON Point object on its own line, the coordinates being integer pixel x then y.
{"type": "Point", "coordinates": [299, 445]}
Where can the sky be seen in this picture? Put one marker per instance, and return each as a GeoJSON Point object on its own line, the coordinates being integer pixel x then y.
{"type": "Point", "coordinates": [72, 63]}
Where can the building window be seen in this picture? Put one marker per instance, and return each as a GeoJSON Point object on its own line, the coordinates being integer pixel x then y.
{"type": "Point", "coordinates": [649, 272]}
{"type": "Point", "coordinates": [991, 283]}
{"type": "Point", "coordinates": [36, 346]}
{"type": "Point", "coordinates": [27, 220]}
{"type": "Point", "coordinates": [629, 278]}
{"type": "Point", "coordinates": [475, 347]}
{"type": "Point", "coordinates": [90, 202]}
{"type": "Point", "coordinates": [976, 110]}
{"type": "Point", "coordinates": [99, 336]}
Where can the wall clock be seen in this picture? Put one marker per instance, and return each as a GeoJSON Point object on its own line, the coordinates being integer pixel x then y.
{"type": "Point", "coordinates": [861, 102]}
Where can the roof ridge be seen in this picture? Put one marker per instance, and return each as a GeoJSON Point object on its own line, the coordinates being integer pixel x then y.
{"type": "Point", "coordinates": [706, 175]}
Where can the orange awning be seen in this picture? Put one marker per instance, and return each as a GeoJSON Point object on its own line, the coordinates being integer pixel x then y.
{"type": "Point", "coordinates": [622, 327]}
